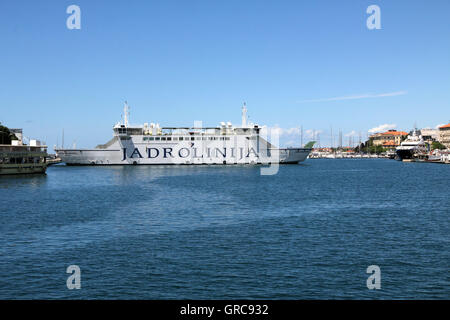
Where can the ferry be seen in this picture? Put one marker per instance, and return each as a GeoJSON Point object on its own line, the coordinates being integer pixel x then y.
{"type": "Point", "coordinates": [151, 144]}
{"type": "Point", "coordinates": [19, 158]}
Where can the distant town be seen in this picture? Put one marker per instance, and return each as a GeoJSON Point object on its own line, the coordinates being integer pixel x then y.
{"type": "Point", "coordinates": [430, 145]}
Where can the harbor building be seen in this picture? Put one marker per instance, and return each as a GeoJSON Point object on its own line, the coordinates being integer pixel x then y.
{"type": "Point", "coordinates": [390, 145]}
{"type": "Point", "coordinates": [389, 139]}
{"type": "Point", "coordinates": [444, 135]}
{"type": "Point", "coordinates": [429, 135]}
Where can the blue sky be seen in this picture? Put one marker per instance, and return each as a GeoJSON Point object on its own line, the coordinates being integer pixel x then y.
{"type": "Point", "coordinates": [309, 63]}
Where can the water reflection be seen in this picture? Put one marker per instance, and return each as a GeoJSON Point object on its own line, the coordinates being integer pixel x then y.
{"type": "Point", "coordinates": [29, 180]}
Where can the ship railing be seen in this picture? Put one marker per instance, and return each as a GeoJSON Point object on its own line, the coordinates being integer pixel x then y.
{"type": "Point", "coordinates": [23, 148]}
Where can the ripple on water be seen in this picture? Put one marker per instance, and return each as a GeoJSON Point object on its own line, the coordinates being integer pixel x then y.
{"type": "Point", "coordinates": [227, 232]}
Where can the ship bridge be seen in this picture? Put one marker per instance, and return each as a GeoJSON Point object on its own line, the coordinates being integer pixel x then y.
{"type": "Point", "coordinates": [154, 129]}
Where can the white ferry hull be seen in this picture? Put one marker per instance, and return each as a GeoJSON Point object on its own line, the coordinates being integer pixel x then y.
{"type": "Point", "coordinates": [181, 154]}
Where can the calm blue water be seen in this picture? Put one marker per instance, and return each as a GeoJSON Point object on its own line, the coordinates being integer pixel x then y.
{"type": "Point", "coordinates": [227, 232]}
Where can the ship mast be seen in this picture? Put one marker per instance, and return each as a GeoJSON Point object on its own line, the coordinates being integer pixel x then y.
{"type": "Point", "coordinates": [301, 137]}
{"type": "Point", "coordinates": [244, 116]}
{"type": "Point", "coordinates": [126, 113]}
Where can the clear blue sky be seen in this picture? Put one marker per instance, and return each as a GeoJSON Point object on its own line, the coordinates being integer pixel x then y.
{"type": "Point", "coordinates": [180, 61]}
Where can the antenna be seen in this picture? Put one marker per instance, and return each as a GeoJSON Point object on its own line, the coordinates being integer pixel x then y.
{"type": "Point", "coordinates": [62, 144]}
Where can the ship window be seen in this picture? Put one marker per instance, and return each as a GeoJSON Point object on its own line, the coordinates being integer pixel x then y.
{"type": "Point", "coordinates": [192, 138]}
{"type": "Point", "coordinates": [157, 138]}
{"type": "Point", "coordinates": [203, 138]}
{"type": "Point", "coordinates": [181, 139]}
{"type": "Point", "coordinates": [169, 138]}
{"type": "Point", "coordinates": [151, 138]}
{"type": "Point", "coordinates": [175, 138]}
{"type": "Point", "coordinates": [163, 138]}
{"type": "Point", "coordinates": [145, 138]}
{"type": "Point", "coordinates": [199, 138]}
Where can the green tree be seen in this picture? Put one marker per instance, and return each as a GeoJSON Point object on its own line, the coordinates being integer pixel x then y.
{"type": "Point", "coordinates": [362, 147]}
{"type": "Point", "coordinates": [437, 145]}
{"type": "Point", "coordinates": [376, 149]}
{"type": "Point", "coordinates": [6, 135]}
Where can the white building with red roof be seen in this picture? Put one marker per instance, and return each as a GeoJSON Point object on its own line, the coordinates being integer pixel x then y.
{"type": "Point", "coordinates": [389, 139]}
{"type": "Point", "coordinates": [444, 135]}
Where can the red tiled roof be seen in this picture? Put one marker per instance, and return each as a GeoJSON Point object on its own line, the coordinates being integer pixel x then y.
{"type": "Point", "coordinates": [446, 126]}
{"type": "Point", "coordinates": [395, 133]}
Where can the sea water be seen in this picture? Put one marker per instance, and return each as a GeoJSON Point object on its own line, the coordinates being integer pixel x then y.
{"type": "Point", "coordinates": [228, 232]}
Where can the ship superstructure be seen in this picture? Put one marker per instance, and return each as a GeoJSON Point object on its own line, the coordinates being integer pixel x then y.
{"type": "Point", "coordinates": [413, 146]}
{"type": "Point", "coordinates": [152, 144]}
{"type": "Point", "coordinates": [21, 158]}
